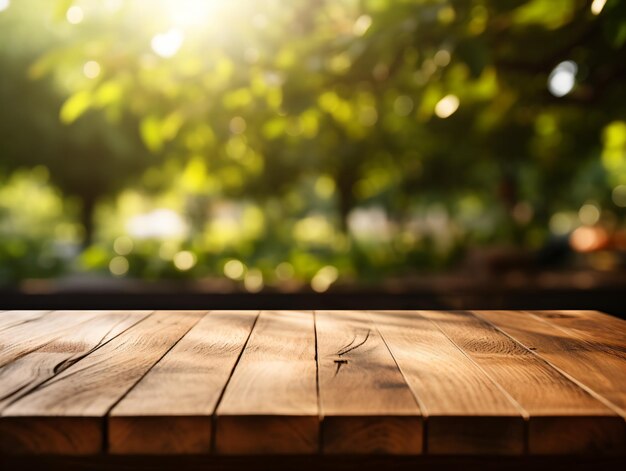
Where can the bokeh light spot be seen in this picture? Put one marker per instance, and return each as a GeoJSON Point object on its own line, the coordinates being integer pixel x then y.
{"type": "Point", "coordinates": [325, 186]}
{"type": "Point", "coordinates": [368, 116]}
{"type": "Point", "coordinates": [325, 277]}
{"type": "Point", "coordinates": [253, 281]}
{"type": "Point", "coordinates": [447, 106]}
{"type": "Point", "coordinates": [237, 125]}
{"type": "Point", "coordinates": [562, 223]}
{"type": "Point", "coordinates": [160, 223]}
{"type": "Point", "coordinates": [563, 78]}
{"type": "Point", "coordinates": [4, 4]}
{"type": "Point", "coordinates": [234, 269]}
{"type": "Point", "coordinates": [119, 266]}
{"type": "Point", "coordinates": [285, 271]}
{"type": "Point", "coordinates": [588, 239]}
{"type": "Point", "coordinates": [91, 69]}
{"type": "Point", "coordinates": [185, 260]}
{"type": "Point", "coordinates": [442, 58]}
{"type": "Point", "coordinates": [123, 245]}
{"type": "Point", "coordinates": [597, 6]}
{"type": "Point", "coordinates": [589, 214]}
{"type": "Point", "coordinates": [619, 196]}
{"type": "Point", "coordinates": [361, 25]}
{"type": "Point", "coordinates": [74, 15]}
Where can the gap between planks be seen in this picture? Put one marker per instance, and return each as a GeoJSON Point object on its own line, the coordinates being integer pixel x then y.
{"type": "Point", "coordinates": [66, 414]}
{"type": "Point", "coordinates": [565, 417]}
{"type": "Point", "coordinates": [156, 415]}
{"type": "Point", "coordinates": [430, 430]}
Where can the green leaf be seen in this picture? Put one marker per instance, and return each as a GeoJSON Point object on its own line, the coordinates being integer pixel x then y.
{"type": "Point", "coordinates": [552, 14]}
{"type": "Point", "coordinates": [108, 93]}
{"type": "Point", "coordinates": [75, 106]}
{"type": "Point", "coordinates": [150, 130]}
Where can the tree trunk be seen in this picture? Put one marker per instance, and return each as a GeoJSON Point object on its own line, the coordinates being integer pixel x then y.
{"type": "Point", "coordinates": [87, 219]}
{"type": "Point", "coordinates": [345, 186]}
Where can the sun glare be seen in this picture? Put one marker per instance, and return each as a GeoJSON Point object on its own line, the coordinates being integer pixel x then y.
{"type": "Point", "coordinates": [183, 16]}
{"type": "Point", "coordinates": [167, 44]}
{"type": "Point", "coordinates": [188, 13]}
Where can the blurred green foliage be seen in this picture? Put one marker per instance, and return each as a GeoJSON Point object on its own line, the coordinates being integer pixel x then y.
{"type": "Point", "coordinates": [272, 141]}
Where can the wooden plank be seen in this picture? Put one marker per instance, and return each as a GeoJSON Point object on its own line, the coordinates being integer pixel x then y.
{"type": "Point", "coordinates": [23, 338]}
{"type": "Point", "coordinates": [563, 418]}
{"type": "Point", "coordinates": [270, 403]}
{"type": "Point", "coordinates": [593, 326]}
{"type": "Point", "coordinates": [595, 365]}
{"type": "Point", "coordinates": [10, 319]}
{"type": "Point", "coordinates": [170, 410]}
{"type": "Point", "coordinates": [24, 374]}
{"type": "Point", "coordinates": [366, 405]}
{"type": "Point", "coordinates": [467, 412]}
{"type": "Point", "coordinates": [65, 414]}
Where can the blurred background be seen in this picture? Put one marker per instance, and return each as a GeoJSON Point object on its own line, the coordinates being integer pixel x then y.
{"type": "Point", "coordinates": [312, 146]}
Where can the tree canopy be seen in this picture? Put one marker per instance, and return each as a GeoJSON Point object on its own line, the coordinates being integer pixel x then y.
{"type": "Point", "coordinates": [330, 138]}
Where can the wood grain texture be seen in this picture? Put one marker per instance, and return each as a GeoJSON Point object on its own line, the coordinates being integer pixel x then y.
{"type": "Point", "coordinates": [596, 365]}
{"type": "Point", "coordinates": [24, 374]}
{"type": "Point", "coordinates": [128, 385]}
{"type": "Point", "coordinates": [65, 414]}
{"type": "Point", "coordinates": [366, 405]}
{"type": "Point", "coordinates": [563, 418]}
{"type": "Point", "coordinates": [593, 326]}
{"type": "Point", "coordinates": [24, 337]}
{"type": "Point", "coordinates": [10, 319]}
{"type": "Point", "coordinates": [170, 410]}
{"type": "Point", "coordinates": [270, 403]}
{"type": "Point", "coordinates": [467, 412]}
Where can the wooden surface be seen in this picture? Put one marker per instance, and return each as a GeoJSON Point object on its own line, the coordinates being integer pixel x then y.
{"type": "Point", "coordinates": [270, 403]}
{"type": "Point", "coordinates": [562, 416]}
{"type": "Point", "coordinates": [324, 383]}
{"type": "Point", "coordinates": [595, 363]}
{"type": "Point", "coordinates": [468, 413]}
{"type": "Point", "coordinates": [364, 400]}
{"type": "Point", "coordinates": [65, 413]}
{"type": "Point", "coordinates": [170, 410]}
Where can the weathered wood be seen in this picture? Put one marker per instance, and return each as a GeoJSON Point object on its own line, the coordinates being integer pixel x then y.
{"type": "Point", "coordinates": [23, 338]}
{"type": "Point", "coordinates": [467, 412]}
{"type": "Point", "coordinates": [270, 403]}
{"type": "Point", "coordinates": [563, 418]}
{"type": "Point", "coordinates": [125, 384]}
{"type": "Point", "coordinates": [170, 410]}
{"type": "Point", "coordinates": [595, 365]}
{"type": "Point", "coordinates": [24, 374]}
{"type": "Point", "coordinates": [65, 415]}
{"type": "Point", "coordinates": [366, 405]}
{"type": "Point", "coordinates": [593, 326]}
{"type": "Point", "coordinates": [10, 319]}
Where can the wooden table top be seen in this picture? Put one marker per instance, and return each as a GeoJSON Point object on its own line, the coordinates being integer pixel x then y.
{"type": "Point", "coordinates": [320, 383]}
